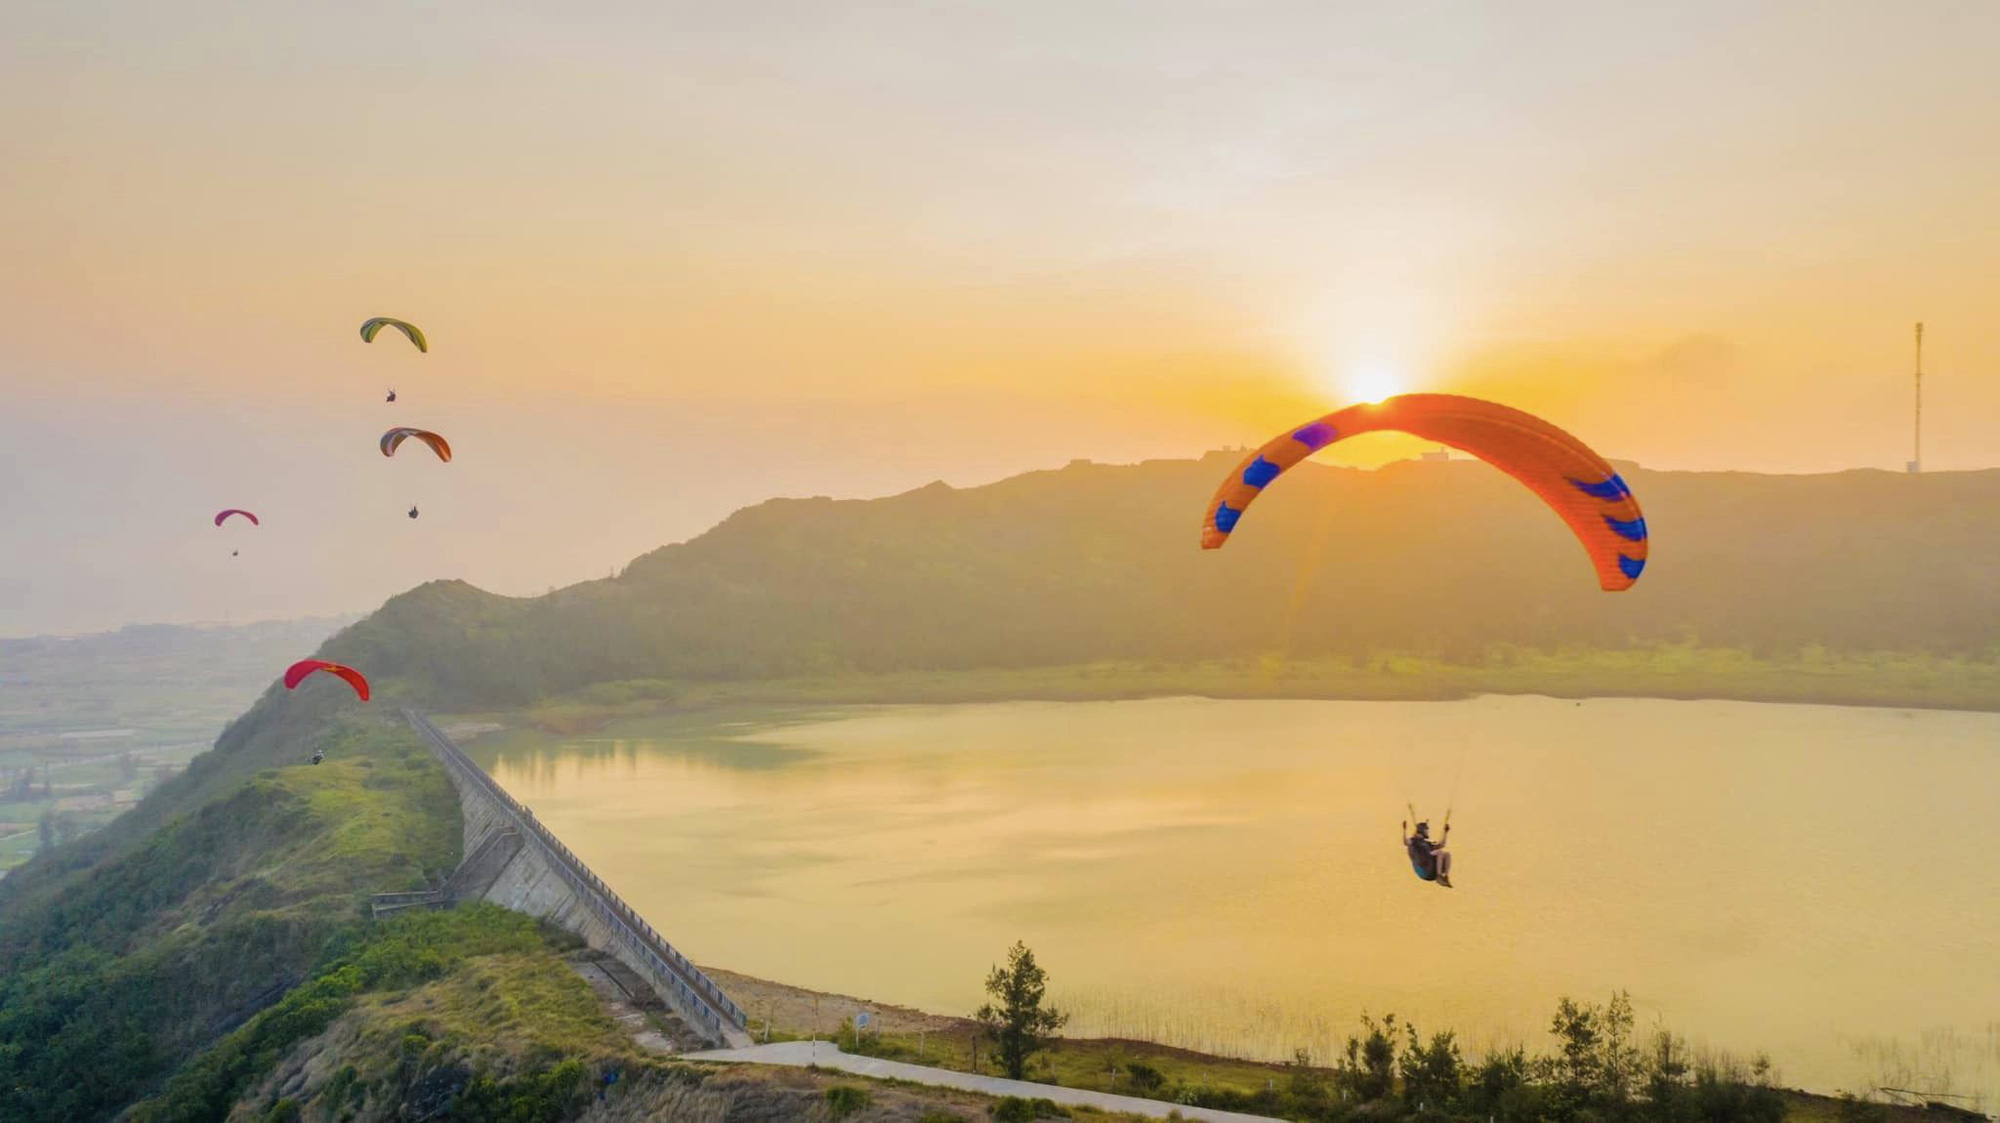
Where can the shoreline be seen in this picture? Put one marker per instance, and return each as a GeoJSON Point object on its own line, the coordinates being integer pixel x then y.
{"type": "Point", "coordinates": [1882, 680]}
{"type": "Point", "coordinates": [945, 1041]}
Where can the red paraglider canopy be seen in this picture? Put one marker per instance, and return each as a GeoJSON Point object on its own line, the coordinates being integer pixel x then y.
{"type": "Point", "coordinates": [297, 672]}
{"type": "Point", "coordinates": [221, 515]}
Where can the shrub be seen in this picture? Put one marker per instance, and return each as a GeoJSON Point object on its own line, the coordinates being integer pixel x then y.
{"type": "Point", "coordinates": [539, 1097]}
{"type": "Point", "coordinates": [1854, 1110]}
{"type": "Point", "coordinates": [1431, 1072]}
{"type": "Point", "coordinates": [1014, 1109]}
{"type": "Point", "coordinates": [843, 1100]}
{"type": "Point", "coordinates": [1368, 1071]}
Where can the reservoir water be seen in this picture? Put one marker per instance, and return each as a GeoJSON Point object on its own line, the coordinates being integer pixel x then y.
{"type": "Point", "coordinates": [1815, 883]}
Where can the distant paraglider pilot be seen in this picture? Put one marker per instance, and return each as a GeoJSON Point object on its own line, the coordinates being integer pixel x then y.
{"type": "Point", "coordinates": [392, 395]}
{"type": "Point", "coordinates": [1430, 860]}
{"type": "Point", "coordinates": [319, 755]}
{"type": "Point", "coordinates": [235, 512]}
{"type": "Point", "coordinates": [413, 510]}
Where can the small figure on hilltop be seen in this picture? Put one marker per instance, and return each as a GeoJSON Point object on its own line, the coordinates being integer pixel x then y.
{"type": "Point", "coordinates": [1430, 860]}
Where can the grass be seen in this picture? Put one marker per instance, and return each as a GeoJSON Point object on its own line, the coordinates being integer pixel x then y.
{"type": "Point", "coordinates": [524, 1004]}
{"type": "Point", "coordinates": [412, 952]}
{"type": "Point", "coordinates": [143, 958]}
{"type": "Point", "coordinates": [18, 848]}
{"type": "Point", "coordinates": [386, 812]}
{"type": "Point", "coordinates": [376, 816]}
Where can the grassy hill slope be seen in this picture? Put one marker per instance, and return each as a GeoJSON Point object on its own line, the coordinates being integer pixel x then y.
{"type": "Point", "coordinates": [1095, 563]}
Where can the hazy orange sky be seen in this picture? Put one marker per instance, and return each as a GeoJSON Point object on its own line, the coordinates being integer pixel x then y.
{"type": "Point", "coordinates": [675, 258]}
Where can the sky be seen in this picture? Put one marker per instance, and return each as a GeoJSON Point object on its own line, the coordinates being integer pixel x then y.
{"type": "Point", "coordinates": [677, 258]}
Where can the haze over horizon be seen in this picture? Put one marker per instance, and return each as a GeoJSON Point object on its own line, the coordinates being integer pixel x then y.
{"type": "Point", "coordinates": [676, 259]}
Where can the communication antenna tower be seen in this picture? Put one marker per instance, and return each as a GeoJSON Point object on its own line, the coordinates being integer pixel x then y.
{"type": "Point", "coordinates": [1917, 444]}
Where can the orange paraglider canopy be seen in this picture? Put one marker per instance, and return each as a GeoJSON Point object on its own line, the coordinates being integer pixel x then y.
{"type": "Point", "coordinates": [1582, 488]}
{"type": "Point", "coordinates": [297, 672]}
{"type": "Point", "coordinates": [394, 438]}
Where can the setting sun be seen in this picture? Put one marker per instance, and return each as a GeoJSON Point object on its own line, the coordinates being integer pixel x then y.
{"type": "Point", "coordinates": [1372, 382]}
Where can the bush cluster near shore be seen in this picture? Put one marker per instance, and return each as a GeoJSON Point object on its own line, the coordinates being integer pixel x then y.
{"type": "Point", "coordinates": [1597, 1071]}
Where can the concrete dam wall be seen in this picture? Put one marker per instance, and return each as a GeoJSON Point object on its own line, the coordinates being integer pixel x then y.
{"type": "Point", "coordinates": [514, 861]}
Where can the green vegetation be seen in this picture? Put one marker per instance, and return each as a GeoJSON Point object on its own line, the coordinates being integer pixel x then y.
{"type": "Point", "coordinates": [226, 961]}
{"type": "Point", "coordinates": [408, 950]}
{"type": "Point", "coordinates": [142, 959]}
{"type": "Point", "coordinates": [1597, 1071]}
{"type": "Point", "coordinates": [1784, 587]}
{"type": "Point", "coordinates": [1014, 1109]}
{"type": "Point", "coordinates": [843, 1100]}
{"type": "Point", "coordinates": [537, 1097]}
{"type": "Point", "coordinates": [1016, 1022]}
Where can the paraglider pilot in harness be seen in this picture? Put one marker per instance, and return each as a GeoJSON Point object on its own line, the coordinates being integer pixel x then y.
{"type": "Point", "coordinates": [1430, 860]}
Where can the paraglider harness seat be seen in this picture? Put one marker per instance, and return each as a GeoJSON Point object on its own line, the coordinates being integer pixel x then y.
{"type": "Point", "coordinates": [1423, 857]}
{"type": "Point", "coordinates": [1423, 850]}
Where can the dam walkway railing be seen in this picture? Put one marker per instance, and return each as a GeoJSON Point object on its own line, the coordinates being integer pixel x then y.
{"type": "Point", "coordinates": [696, 988]}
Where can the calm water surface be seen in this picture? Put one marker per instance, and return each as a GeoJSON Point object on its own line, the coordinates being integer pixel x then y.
{"type": "Point", "coordinates": [1814, 882]}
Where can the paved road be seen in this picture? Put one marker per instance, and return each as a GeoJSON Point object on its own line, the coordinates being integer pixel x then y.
{"type": "Point", "coordinates": [828, 1055]}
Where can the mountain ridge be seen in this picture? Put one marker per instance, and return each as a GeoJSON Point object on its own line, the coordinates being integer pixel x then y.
{"type": "Point", "coordinates": [1093, 561]}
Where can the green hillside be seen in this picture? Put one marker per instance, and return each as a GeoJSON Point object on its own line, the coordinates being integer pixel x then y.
{"type": "Point", "coordinates": [1094, 563]}
{"type": "Point", "coordinates": [114, 973]}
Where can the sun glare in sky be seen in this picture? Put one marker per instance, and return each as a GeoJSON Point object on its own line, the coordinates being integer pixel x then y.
{"type": "Point", "coordinates": [1372, 381]}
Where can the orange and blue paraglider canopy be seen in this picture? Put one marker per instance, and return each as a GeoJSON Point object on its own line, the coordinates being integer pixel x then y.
{"type": "Point", "coordinates": [394, 438]}
{"type": "Point", "coordinates": [1581, 487]}
{"type": "Point", "coordinates": [297, 673]}
{"type": "Point", "coordinates": [221, 515]}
